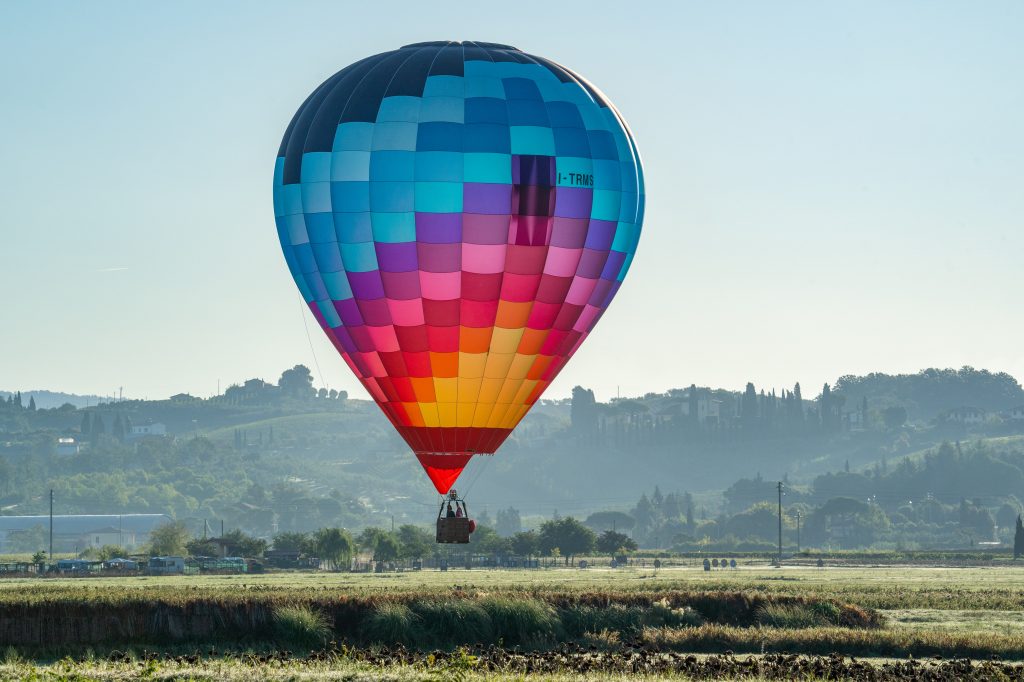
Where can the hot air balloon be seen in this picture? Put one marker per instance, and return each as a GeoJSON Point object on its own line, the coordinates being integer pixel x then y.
{"type": "Point", "coordinates": [458, 216]}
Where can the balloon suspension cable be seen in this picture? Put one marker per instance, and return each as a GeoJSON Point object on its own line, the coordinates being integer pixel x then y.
{"type": "Point", "coordinates": [316, 363]}
{"type": "Point", "coordinates": [476, 478]}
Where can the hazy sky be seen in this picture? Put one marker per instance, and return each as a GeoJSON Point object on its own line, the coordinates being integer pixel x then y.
{"type": "Point", "coordinates": [832, 187]}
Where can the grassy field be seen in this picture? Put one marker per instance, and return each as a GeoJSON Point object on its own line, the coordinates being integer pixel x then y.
{"type": "Point", "coordinates": [894, 588]}
{"type": "Point", "coordinates": [892, 611]}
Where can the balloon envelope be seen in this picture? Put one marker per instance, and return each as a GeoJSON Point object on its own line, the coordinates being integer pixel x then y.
{"type": "Point", "coordinates": [457, 216]}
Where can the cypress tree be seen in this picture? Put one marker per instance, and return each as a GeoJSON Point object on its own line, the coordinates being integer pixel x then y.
{"type": "Point", "coordinates": [1018, 539]}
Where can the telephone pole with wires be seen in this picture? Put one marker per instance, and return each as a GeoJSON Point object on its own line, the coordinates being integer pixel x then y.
{"type": "Point", "coordinates": [780, 522]}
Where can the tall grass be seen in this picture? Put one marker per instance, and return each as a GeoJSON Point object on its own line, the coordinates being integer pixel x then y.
{"type": "Point", "coordinates": [793, 616]}
{"type": "Point", "coordinates": [452, 622]}
{"type": "Point", "coordinates": [301, 626]}
{"type": "Point", "coordinates": [393, 624]}
{"type": "Point", "coordinates": [522, 620]}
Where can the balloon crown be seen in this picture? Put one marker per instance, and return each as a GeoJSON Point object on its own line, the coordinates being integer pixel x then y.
{"type": "Point", "coordinates": [475, 43]}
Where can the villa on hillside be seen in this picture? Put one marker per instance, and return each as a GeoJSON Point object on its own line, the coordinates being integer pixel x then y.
{"type": "Point", "coordinates": [150, 428]}
{"type": "Point", "coordinates": [964, 415]}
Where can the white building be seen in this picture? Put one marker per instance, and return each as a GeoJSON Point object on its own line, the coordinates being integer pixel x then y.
{"type": "Point", "coordinates": [108, 535]}
{"type": "Point", "coordinates": [1016, 413]}
{"type": "Point", "coordinates": [708, 409]}
{"type": "Point", "coordinates": [965, 415]}
{"type": "Point", "coordinates": [149, 429]}
{"type": "Point", "coordinates": [66, 446]}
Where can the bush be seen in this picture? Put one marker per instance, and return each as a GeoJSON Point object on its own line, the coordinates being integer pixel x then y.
{"type": "Point", "coordinates": [661, 615]}
{"type": "Point", "coordinates": [301, 626]}
{"type": "Point", "coordinates": [452, 622]}
{"type": "Point", "coordinates": [522, 621]}
{"type": "Point", "coordinates": [581, 619]}
{"type": "Point", "coordinates": [792, 616]}
{"type": "Point", "coordinates": [392, 624]}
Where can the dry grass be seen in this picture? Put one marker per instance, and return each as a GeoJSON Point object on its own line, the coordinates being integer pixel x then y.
{"type": "Point", "coordinates": [826, 640]}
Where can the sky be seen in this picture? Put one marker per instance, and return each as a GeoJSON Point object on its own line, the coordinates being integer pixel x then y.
{"type": "Point", "coordinates": [833, 188]}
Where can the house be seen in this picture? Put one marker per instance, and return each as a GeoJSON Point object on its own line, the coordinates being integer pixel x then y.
{"type": "Point", "coordinates": [67, 446]}
{"type": "Point", "coordinates": [964, 415]}
{"type": "Point", "coordinates": [708, 409]}
{"type": "Point", "coordinates": [1016, 413]}
{"type": "Point", "coordinates": [150, 428]}
{"type": "Point", "coordinates": [108, 535]}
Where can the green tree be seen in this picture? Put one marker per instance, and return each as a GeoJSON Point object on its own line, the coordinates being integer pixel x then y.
{"type": "Point", "coordinates": [609, 520]}
{"type": "Point", "coordinates": [169, 539]}
{"type": "Point", "coordinates": [242, 544]}
{"type": "Point", "coordinates": [334, 545]}
{"type": "Point", "coordinates": [894, 417]}
{"type": "Point", "coordinates": [108, 552]}
{"type": "Point", "coordinates": [97, 429]}
{"type": "Point", "coordinates": [202, 547]}
{"type": "Point", "coordinates": [118, 430]}
{"type": "Point", "coordinates": [509, 522]}
{"type": "Point", "coordinates": [525, 543]}
{"type": "Point", "coordinates": [487, 540]}
{"type": "Point", "coordinates": [569, 535]}
{"type": "Point", "coordinates": [583, 411]}
{"type": "Point", "coordinates": [388, 548]}
{"type": "Point", "coordinates": [370, 538]}
{"type": "Point", "coordinates": [293, 542]}
{"type": "Point", "coordinates": [297, 382]}
{"type": "Point", "coordinates": [614, 544]}
{"type": "Point", "coordinates": [1018, 539]}
{"type": "Point", "coordinates": [32, 404]}
{"type": "Point", "coordinates": [416, 542]}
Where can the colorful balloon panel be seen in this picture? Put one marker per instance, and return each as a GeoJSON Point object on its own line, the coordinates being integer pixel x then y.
{"type": "Point", "coordinates": [457, 216]}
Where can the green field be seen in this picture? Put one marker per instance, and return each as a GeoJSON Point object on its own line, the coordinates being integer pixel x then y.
{"type": "Point", "coordinates": [882, 613]}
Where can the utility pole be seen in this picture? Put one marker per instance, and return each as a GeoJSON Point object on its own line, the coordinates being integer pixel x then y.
{"type": "Point", "coordinates": [51, 525]}
{"type": "Point", "coordinates": [798, 532]}
{"type": "Point", "coordinates": [780, 522]}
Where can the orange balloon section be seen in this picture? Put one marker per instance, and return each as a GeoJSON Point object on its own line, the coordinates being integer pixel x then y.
{"type": "Point", "coordinates": [458, 216]}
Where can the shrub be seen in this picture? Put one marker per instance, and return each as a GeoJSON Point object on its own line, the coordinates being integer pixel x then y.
{"type": "Point", "coordinates": [451, 622]}
{"type": "Point", "coordinates": [522, 621]}
{"type": "Point", "coordinates": [392, 624]}
{"type": "Point", "coordinates": [301, 626]}
{"type": "Point", "coordinates": [662, 615]}
{"type": "Point", "coordinates": [791, 616]}
{"type": "Point", "coordinates": [580, 619]}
